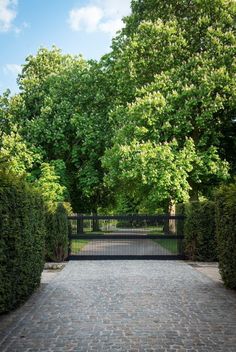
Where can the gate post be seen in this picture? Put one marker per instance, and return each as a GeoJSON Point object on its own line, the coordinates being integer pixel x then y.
{"type": "Point", "coordinates": [179, 232]}
{"type": "Point", "coordinates": [69, 239]}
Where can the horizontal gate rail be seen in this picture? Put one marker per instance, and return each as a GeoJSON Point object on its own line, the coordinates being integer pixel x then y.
{"type": "Point", "coordinates": [126, 217]}
{"type": "Point", "coordinates": [127, 257]}
{"type": "Point", "coordinates": [125, 237]}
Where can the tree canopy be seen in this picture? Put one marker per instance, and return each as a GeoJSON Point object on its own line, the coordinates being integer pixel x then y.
{"type": "Point", "coordinates": [152, 122]}
{"type": "Point", "coordinates": [180, 78]}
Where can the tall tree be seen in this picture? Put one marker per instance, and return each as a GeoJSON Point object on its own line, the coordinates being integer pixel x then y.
{"type": "Point", "coordinates": [63, 110]}
{"type": "Point", "coordinates": [175, 91]}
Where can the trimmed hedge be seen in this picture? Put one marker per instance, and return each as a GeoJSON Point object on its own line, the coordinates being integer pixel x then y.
{"type": "Point", "coordinates": [22, 234]}
{"type": "Point", "coordinates": [56, 240]}
{"type": "Point", "coordinates": [199, 229]}
{"type": "Point", "coordinates": [226, 233]}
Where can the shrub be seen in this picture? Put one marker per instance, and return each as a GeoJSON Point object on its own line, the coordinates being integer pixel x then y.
{"type": "Point", "coordinates": [226, 233]}
{"type": "Point", "coordinates": [22, 233]}
{"type": "Point", "coordinates": [57, 233]}
{"type": "Point", "coordinates": [199, 230]}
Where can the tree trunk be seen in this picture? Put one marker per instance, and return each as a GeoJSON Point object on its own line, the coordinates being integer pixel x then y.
{"type": "Point", "coordinates": [95, 223]}
{"type": "Point", "coordinates": [172, 222]}
{"type": "Point", "coordinates": [169, 225]}
{"type": "Point", "coordinates": [80, 226]}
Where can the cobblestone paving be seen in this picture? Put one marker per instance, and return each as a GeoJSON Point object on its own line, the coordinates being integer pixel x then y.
{"type": "Point", "coordinates": [125, 306]}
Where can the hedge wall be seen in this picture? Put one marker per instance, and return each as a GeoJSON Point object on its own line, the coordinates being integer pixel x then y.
{"type": "Point", "coordinates": [226, 233]}
{"type": "Point", "coordinates": [56, 240]}
{"type": "Point", "coordinates": [199, 230]}
{"type": "Point", "coordinates": [22, 233]}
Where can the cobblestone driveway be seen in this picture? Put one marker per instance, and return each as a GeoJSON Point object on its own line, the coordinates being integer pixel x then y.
{"type": "Point", "coordinates": [125, 306]}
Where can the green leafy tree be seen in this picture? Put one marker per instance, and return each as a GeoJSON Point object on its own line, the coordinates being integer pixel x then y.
{"type": "Point", "coordinates": [160, 171]}
{"type": "Point", "coordinates": [135, 60]}
{"type": "Point", "coordinates": [64, 112]}
{"type": "Point", "coordinates": [179, 83]}
{"type": "Point", "coordinates": [47, 92]}
{"type": "Point", "coordinates": [5, 122]}
{"type": "Point", "coordinates": [93, 135]}
{"type": "Point", "coordinates": [160, 106]}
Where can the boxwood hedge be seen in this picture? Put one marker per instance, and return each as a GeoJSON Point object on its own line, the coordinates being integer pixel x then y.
{"type": "Point", "coordinates": [226, 233]}
{"type": "Point", "coordinates": [22, 235]}
{"type": "Point", "coordinates": [199, 230]}
{"type": "Point", "coordinates": [56, 241]}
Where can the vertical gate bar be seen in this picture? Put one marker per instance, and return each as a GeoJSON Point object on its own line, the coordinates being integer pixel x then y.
{"type": "Point", "coordinates": [69, 238]}
{"type": "Point", "coordinates": [77, 225]}
{"type": "Point", "coordinates": [180, 246]}
{"type": "Point", "coordinates": [179, 230]}
{"type": "Point", "coordinates": [95, 223]}
{"type": "Point", "coordinates": [80, 225]}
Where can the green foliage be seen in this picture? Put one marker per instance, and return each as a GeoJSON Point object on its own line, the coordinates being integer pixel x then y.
{"type": "Point", "coordinates": [154, 119]}
{"type": "Point", "coordinates": [226, 233]}
{"type": "Point", "coordinates": [155, 116]}
{"type": "Point", "coordinates": [174, 64]}
{"type": "Point", "coordinates": [199, 230]}
{"type": "Point", "coordinates": [15, 156]}
{"type": "Point", "coordinates": [195, 16]}
{"type": "Point", "coordinates": [22, 233]}
{"type": "Point", "coordinates": [60, 170]}
{"type": "Point", "coordinates": [154, 47]}
{"type": "Point", "coordinates": [159, 171]}
{"type": "Point", "coordinates": [72, 127]}
{"type": "Point", "coordinates": [93, 135]}
{"type": "Point", "coordinates": [5, 120]}
{"type": "Point", "coordinates": [49, 186]}
{"type": "Point", "coordinates": [44, 112]}
{"type": "Point", "coordinates": [56, 241]}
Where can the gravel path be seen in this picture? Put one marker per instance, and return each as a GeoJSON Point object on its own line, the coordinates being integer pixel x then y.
{"type": "Point", "coordinates": [124, 306]}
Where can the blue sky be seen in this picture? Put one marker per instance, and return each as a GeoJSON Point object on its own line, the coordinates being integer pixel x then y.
{"type": "Point", "coordinates": [76, 26]}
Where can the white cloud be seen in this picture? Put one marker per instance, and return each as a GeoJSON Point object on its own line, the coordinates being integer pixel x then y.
{"type": "Point", "coordinates": [117, 8]}
{"type": "Point", "coordinates": [111, 26]}
{"type": "Point", "coordinates": [12, 69]}
{"type": "Point", "coordinates": [86, 18]}
{"type": "Point", "coordinates": [99, 15]}
{"type": "Point", "coordinates": [7, 14]}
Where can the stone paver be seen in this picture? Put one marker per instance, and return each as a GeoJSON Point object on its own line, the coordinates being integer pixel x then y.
{"type": "Point", "coordinates": [124, 306]}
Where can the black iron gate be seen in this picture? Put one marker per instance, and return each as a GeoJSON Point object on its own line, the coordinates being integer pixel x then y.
{"type": "Point", "coordinates": [126, 237]}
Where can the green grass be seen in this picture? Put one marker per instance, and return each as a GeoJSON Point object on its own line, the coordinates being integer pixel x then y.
{"type": "Point", "coordinates": [169, 244]}
{"type": "Point", "coordinates": [156, 231]}
{"type": "Point", "coordinates": [77, 245]}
